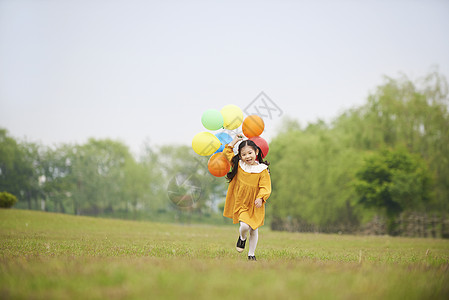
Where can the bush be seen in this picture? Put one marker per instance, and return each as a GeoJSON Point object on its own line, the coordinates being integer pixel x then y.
{"type": "Point", "coordinates": [7, 200]}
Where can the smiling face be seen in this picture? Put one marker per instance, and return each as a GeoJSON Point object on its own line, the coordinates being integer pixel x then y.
{"type": "Point", "coordinates": [249, 155]}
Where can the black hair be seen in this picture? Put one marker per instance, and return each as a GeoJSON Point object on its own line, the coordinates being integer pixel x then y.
{"type": "Point", "coordinates": [236, 158]}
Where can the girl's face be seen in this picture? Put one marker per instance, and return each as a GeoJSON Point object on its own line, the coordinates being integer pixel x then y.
{"type": "Point", "coordinates": [249, 155]}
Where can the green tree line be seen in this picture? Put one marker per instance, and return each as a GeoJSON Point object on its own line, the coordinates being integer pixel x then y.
{"type": "Point", "coordinates": [103, 178]}
{"type": "Point", "coordinates": [385, 160]}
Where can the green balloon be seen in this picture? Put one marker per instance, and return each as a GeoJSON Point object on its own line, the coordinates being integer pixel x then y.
{"type": "Point", "coordinates": [212, 119]}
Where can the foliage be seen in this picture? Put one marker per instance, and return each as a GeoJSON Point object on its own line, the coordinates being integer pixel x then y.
{"type": "Point", "coordinates": [393, 181]}
{"type": "Point", "coordinates": [403, 114]}
{"type": "Point", "coordinates": [7, 200]}
{"type": "Point", "coordinates": [311, 174]}
{"type": "Point", "coordinates": [15, 167]}
{"type": "Point", "coordinates": [314, 168]}
{"type": "Point", "coordinates": [101, 177]}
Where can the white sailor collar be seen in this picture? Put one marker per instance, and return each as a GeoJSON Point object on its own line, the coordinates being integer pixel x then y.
{"type": "Point", "coordinates": [258, 168]}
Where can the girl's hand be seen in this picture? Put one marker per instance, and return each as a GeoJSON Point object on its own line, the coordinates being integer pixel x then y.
{"type": "Point", "coordinates": [237, 138]}
{"type": "Point", "coordinates": [258, 203]}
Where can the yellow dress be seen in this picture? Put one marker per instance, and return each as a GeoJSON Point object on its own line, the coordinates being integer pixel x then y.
{"type": "Point", "coordinates": [244, 189]}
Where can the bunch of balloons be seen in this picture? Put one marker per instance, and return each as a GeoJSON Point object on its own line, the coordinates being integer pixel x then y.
{"type": "Point", "coordinates": [230, 117]}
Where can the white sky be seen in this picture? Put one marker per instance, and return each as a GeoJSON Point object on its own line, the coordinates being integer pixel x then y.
{"type": "Point", "coordinates": [134, 70]}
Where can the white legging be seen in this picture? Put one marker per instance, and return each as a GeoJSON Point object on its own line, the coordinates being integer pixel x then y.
{"type": "Point", "coordinates": [253, 236]}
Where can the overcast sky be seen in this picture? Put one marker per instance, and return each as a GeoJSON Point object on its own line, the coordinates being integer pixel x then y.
{"type": "Point", "coordinates": [136, 70]}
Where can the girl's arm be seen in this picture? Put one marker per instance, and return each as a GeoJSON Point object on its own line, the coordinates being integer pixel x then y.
{"type": "Point", "coordinates": [264, 187]}
{"type": "Point", "coordinates": [228, 150]}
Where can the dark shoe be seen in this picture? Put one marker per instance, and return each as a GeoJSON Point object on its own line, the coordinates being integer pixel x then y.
{"type": "Point", "coordinates": [252, 258]}
{"type": "Point", "coordinates": [240, 245]}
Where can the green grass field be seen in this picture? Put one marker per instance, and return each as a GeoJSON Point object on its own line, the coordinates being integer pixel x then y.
{"type": "Point", "coordinates": [54, 256]}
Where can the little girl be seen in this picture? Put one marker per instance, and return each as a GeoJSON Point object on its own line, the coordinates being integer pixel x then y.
{"type": "Point", "coordinates": [249, 188]}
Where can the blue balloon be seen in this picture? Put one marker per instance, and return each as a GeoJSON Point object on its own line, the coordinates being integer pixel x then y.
{"type": "Point", "coordinates": [224, 139]}
{"type": "Point", "coordinates": [220, 149]}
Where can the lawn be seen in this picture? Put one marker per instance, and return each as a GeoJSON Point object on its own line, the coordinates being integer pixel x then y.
{"type": "Point", "coordinates": [56, 256]}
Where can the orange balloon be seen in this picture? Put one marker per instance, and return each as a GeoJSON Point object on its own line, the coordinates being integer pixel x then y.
{"type": "Point", "coordinates": [253, 126]}
{"type": "Point", "coordinates": [218, 165]}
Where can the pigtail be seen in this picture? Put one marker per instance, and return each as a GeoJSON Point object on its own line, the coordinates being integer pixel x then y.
{"type": "Point", "coordinates": [260, 159]}
{"type": "Point", "coordinates": [234, 168]}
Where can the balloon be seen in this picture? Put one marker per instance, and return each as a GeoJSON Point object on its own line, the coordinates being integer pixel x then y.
{"type": "Point", "coordinates": [205, 143]}
{"type": "Point", "coordinates": [212, 119]}
{"type": "Point", "coordinates": [253, 126]}
{"type": "Point", "coordinates": [224, 139]}
{"type": "Point", "coordinates": [232, 116]}
{"type": "Point", "coordinates": [262, 144]}
{"type": "Point", "coordinates": [218, 165]}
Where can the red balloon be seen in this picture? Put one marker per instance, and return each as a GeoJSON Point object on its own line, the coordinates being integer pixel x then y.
{"type": "Point", "coordinates": [262, 144]}
{"type": "Point", "coordinates": [218, 165]}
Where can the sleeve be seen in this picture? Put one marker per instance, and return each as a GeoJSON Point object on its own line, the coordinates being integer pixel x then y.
{"type": "Point", "coordinates": [264, 186]}
{"type": "Point", "coordinates": [228, 151]}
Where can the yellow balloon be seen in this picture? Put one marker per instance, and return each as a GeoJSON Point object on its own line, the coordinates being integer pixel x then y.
{"type": "Point", "coordinates": [205, 143]}
{"type": "Point", "coordinates": [232, 116]}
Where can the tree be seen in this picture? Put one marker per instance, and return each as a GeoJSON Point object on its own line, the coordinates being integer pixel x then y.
{"type": "Point", "coordinates": [7, 200]}
{"type": "Point", "coordinates": [11, 163]}
{"type": "Point", "coordinates": [97, 174]}
{"type": "Point", "coordinates": [393, 181]}
{"type": "Point", "coordinates": [57, 188]}
{"type": "Point", "coordinates": [402, 113]}
{"type": "Point", "coordinates": [17, 169]}
{"type": "Point", "coordinates": [313, 168]}
{"type": "Point", "coordinates": [311, 175]}
{"type": "Point", "coordinates": [155, 186]}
